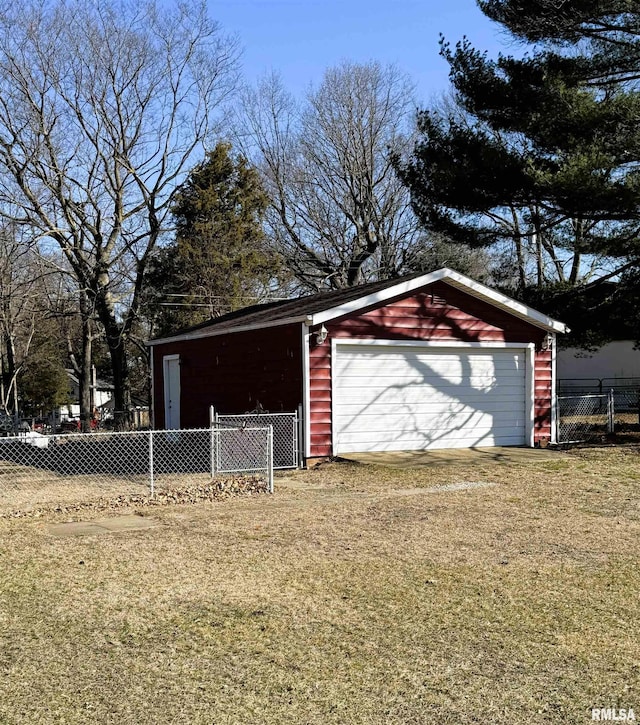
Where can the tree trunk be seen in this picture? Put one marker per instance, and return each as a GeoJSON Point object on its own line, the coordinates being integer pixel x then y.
{"type": "Point", "coordinates": [120, 371]}
{"type": "Point", "coordinates": [11, 374]}
{"type": "Point", "coordinates": [519, 246]}
{"type": "Point", "coordinates": [84, 373]}
{"type": "Point", "coordinates": [522, 273]}
{"type": "Point", "coordinates": [578, 228]}
{"type": "Point", "coordinates": [115, 336]}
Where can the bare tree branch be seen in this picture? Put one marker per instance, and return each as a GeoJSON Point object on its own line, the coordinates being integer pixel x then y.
{"type": "Point", "coordinates": [103, 110]}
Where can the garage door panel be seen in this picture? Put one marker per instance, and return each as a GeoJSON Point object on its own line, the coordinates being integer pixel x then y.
{"type": "Point", "coordinates": [427, 362]}
{"type": "Point", "coordinates": [450, 385]}
{"type": "Point", "coordinates": [417, 394]}
{"type": "Point", "coordinates": [430, 416]}
{"type": "Point", "coordinates": [383, 364]}
{"type": "Point", "coordinates": [434, 441]}
{"type": "Point", "coordinates": [357, 444]}
{"type": "Point", "coordinates": [420, 373]}
{"type": "Point", "coordinates": [407, 398]}
{"type": "Point", "coordinates": [478, 378]}
{"type": "Point", "coordinates": [368, 397]}
{"type": "Point", "coordinates": [436, 420]}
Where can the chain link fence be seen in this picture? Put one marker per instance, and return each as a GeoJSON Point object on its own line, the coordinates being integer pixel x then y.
{"type": "Point", "coordinates": [627, 407]}
{"type": "Point", "coordinates": [37, 468]}
{"type": "Point", "coordinates": [626, 397]}
{"type": "Point", "coordinates": [286, 433]}
{"type": "Point", "coordinates": [585, 417]}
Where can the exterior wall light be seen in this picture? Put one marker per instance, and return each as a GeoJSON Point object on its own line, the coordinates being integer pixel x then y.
{"type": "Point", "coordinates": [321, 335]}
{"type": "Point", "coordinates": [547, 342]}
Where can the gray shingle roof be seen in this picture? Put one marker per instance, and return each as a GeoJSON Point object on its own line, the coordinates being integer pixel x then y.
{"type": "Point", "coordinates": [327, 306]}
{"type": "Point", "coordinates": [299, 307]}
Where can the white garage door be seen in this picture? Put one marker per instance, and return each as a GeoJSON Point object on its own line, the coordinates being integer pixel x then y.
{"type": "Point", "coordinates": [390, 398]}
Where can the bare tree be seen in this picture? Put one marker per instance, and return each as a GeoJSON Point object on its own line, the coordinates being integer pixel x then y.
{"type": "Point", "coordinates": [103, 109]}
{"type": "Point", "coordinates": [338, 212]}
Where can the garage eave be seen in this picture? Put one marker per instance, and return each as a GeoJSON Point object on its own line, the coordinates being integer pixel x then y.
{"type": "Point", "coordinates": [216, 332]}
{"type": "Point", "coordinates": [455, 279]}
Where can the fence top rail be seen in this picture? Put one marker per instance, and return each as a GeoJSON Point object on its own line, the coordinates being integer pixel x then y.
{"type": "Point", "coordinates": [581, 380]}
{"type": "Point", "coordinates": [217, 425]}
{"type": "Point", "coordinates": [256, 415]}
{"type": "Point", "coordinates": [619, 379]}
{"type": "Point", "coordinates": [589, 395]}
{"type": "Point", "coordinates": [94, 435]}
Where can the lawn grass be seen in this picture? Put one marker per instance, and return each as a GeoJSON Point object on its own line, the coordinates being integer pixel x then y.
{"type": "Point", "coordinates": [355, 594]}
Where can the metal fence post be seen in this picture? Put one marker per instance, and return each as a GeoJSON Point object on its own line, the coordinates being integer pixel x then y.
{"type": "Point", "coordinates": [270, 457]}
{"type": "Point", "coordinates": [215, 440]}
{"type": "Point", "coordinates": [213, 437]}
{"type": "Point", "coordinates": [610, 413]}
{"type": "Point", "coordinates": [151, 481]}
{"type": "Point", "coordinates": [301, 445]}
{"type": "Point", "coordinates": [296, 446]}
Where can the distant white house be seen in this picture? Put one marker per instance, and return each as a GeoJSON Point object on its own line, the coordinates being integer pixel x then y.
{"type": "Point", "coordinates": [102, 394]}
{"type": "Point", "coordinates": [616, 361]}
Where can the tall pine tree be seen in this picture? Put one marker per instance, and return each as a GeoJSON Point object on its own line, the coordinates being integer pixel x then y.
{"type": "Point", "coordinates": [219, 260]}
{"type": "Point", "coordinates": [542, 151]}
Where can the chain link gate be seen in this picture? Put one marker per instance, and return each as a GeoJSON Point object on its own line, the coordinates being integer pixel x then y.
{"type": "Point", "coordinates": [286, 433]}
{"type": "Point", "coordinates": [584, 417]}
{"type": "Point", "coordinates": [242, 449]}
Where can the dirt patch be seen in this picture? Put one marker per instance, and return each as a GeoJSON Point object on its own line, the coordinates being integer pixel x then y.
{"type": "Point", "coordinates": [462, 486]}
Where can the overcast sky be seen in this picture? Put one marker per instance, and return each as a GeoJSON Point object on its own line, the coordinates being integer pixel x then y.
{"type": "Point", "coordinates": [301, 38]}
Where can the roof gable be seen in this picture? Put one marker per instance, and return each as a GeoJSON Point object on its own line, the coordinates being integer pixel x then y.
{"type": "Point", "coordinates": [326, 306]}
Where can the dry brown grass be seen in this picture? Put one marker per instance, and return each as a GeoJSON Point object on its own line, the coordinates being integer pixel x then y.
{"type": "Point", "coordinates": [355, 594]}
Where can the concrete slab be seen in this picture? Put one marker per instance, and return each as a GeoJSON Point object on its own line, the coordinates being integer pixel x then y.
{"type": "Point", "coordinates": [75, 528]}
{"type": "Point", "coordinates": [128, 523]}
{"type": "Point", "coordinates": [102, 526]}
{"type": "Point", "coordinates": [456, 456]}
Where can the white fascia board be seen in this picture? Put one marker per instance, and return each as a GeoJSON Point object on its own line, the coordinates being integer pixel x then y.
{"type": "Point", "coordinates": [152, 407]}
{"type": "Point", "coordinates": [554, 391]}
{"type": "Point", "coordinates": [381, 342]}
{"type": "Point", "coordinates": [455, 279]}
{"type": "Point", "coordinates": [306, 390]}
{"type": "Point", "coordinates": [530, 394]}
{"type": "Point", "coordinates": [334, 422]}
{"type": "Point", "coordinates": [198, 334]}
{"type": "Point", "coordinates": [519, 309]}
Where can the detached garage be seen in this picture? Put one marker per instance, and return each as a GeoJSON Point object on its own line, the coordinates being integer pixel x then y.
{"type": "Point", "coordinates": [428, 361]}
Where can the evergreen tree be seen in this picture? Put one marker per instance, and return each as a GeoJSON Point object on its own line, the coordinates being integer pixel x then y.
{"type": "Point", "coordinates": [219, 260]}
{"type": "Point", "coordinates": [542, 151]}
{"type": "Point", "coordinates": [43, 380]}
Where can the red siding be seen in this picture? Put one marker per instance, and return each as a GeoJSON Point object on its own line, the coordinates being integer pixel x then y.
{"type": "Point", "coordinates": [439, 312]}
{"type": "Point", "coordinates": [320, 398]}
{"type": "Point", "coordinates": [543, 394]}
{"type": "Point", "coordinates": [233, 372]}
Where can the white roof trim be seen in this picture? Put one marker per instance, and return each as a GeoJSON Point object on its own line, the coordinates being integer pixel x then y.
{"type": "Point", "coordinates": [207, 332]}
{"type": "Point", "coordinates": [455, 279]}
